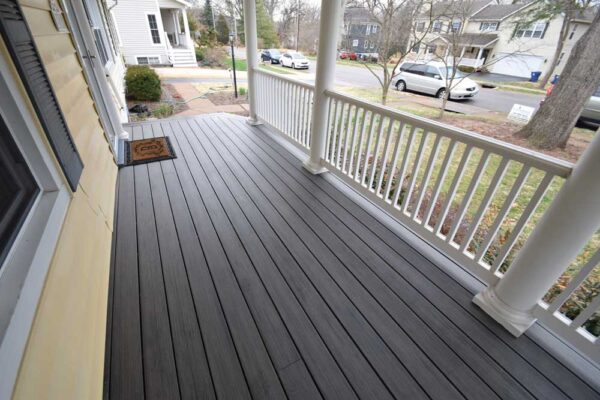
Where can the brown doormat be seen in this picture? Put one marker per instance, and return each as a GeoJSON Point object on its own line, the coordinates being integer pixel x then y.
{"type": "Point", "coordinates": [148, 150]}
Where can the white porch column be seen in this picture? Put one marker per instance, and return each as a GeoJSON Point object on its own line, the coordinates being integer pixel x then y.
{"type": "Point", "coordinates": [251, 56]}
{"type": "Point", "coordinates": [331, 18]}
{"type": "Point", "coordinates": [188, 39]}
{"type": "Point", "coordinates": [568, 224]}
{"type": "Point", "coordinates": [462, 52]}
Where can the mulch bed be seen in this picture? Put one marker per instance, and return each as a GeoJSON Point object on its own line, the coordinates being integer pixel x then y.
{"type": "Point", "coordinates": [226, 98]}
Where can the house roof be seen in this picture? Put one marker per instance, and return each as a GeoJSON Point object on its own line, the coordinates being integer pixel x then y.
{"type": "Point", "coordinates": [470, 39]}
{"type": "Point", "coordinates": [450, 9]}
{"type": "Point", "coordinates": [498, 12]}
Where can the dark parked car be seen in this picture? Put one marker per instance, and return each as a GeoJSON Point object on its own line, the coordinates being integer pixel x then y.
{"type": "Point", "coordinates": [272, 55]}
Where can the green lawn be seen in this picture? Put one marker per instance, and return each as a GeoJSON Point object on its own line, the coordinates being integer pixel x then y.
{"type": "Point", "coordinates": [240, 65]}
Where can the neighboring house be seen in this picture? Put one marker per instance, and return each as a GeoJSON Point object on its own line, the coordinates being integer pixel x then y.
{"type": "Point", "coordinates": [491, 37]}
{"type": "Point", "coordinates": [361, 31]}
{"type": "Point", "coordinates": [155, 32]}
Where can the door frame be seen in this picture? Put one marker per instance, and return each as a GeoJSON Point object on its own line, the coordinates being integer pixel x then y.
{"type": "Point", "coordinates": [95, 73]}
{"type": "Point", "coordinates": [24, 270]}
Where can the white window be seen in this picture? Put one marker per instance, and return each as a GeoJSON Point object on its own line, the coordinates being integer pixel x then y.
{"type": "Point", "coordinates": [488, 26]}
{"type": "Point", "coordinates": [355, 43]}
{"type": "Point", "coordinates": [420, 26]}
{"type": "Point", "coordinates": [148, 60]}
{"type": "Point", "coordinates": [366, 44]}
{"type": "Point", "coordinates": [437, 26]}
{"type": "Point", "coordinates": [456, 26]}
{"type": "Point", "coordinates": [99, 31]}
{"type": "Point", "coordinates": [533, 31]}
{"type": "Point", "coordinates": [431, 49]}
{"type": "Point", "coordinates": [374, 28]}
{"type": "Point", "coordinates": [372, 45]}
{"type": "Point", "coordinates": [154, 32]}
{"type": "Point", "coordinates": [368, 29]}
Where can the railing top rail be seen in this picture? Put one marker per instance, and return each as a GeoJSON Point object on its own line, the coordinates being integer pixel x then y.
{"type": "Point", "coordinates": [284, 78]}
{"type": "Point", "coordinates": [533, 158]}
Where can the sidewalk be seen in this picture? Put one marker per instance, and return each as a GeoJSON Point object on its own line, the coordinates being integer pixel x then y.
{"type": "Point", "coordinates": [197, 73]}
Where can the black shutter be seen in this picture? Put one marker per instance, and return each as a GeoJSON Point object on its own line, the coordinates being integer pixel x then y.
{"type": "Point", "coordinates": [20, 44]}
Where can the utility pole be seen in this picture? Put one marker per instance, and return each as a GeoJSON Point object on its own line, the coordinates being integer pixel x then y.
{"type": "Point", "coordinates": [297, 25]}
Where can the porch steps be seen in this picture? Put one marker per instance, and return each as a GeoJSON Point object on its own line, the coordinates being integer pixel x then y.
{"type": "Point", "coordinates": [183, 58]}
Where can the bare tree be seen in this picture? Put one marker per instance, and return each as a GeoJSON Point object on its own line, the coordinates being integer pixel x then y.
{"type": "Point", "coordinates": [272, 6]}
{"type": "Point", "coordinates": [397, 35]}
{"type": "Point", "coordinates": [553, 124]}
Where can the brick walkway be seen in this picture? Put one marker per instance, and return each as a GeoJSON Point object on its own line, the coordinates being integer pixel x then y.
{"type": "Point", "coordinates": [199, 106]}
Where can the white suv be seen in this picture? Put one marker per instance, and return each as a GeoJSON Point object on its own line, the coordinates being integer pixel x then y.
{"type": "Point", "coordinates": [430, 78]}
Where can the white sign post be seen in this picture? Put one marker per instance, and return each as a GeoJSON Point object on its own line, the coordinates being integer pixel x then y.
{"type": "Point", "coordinates": [520, 113]}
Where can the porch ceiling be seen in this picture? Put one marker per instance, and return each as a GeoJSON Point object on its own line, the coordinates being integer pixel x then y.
{"type": "Point", "coordinates": [483, 40]}
{"type": "Point", "coordinates": [237, 274]}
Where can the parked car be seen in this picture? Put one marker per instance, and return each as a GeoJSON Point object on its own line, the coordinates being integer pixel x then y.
{"type": "Point", "coordinates": [348, 55]}
{"type": "Point", "coordinates": [591, 110]}
{"type": "Point", "coordinates": [294, 60]}
{"type": "Point", "coordinates": [430, 78]}
{"type": "Point", "coordinates": [272, 55]}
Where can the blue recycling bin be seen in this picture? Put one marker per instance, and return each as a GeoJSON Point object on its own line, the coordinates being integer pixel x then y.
{"type": "Point", "coordinates": [535, 76]}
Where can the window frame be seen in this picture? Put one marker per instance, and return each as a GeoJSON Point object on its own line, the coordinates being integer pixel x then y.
{"type": "Point", "coordinates": [486, 26]}
{"type": "Point", "coordinates": [521, 33]}
{"type": "Point", "coordinates": [420, 26]}
{"type": "Point", "coordinates": [97, 25]}
{"type": "Point", "coordinates": [354, 42]}
{"type": "Point", "coordinates": [148, 58]}
{"type": "Point", "coordinates": [455, 29]}
{"type": "Point", "coordinates": [436, 26]}
{"type": "Point", "coordinates": [158, 26]}
{"type": "Point", "coordinates": [37, 238]}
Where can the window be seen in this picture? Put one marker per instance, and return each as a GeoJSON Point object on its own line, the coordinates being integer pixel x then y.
{"type": "Point", "coordinates": [355, 43]}
{"type": "Point", "coordinates": [437, 26]}
{"type": "Point", "coordinates": [431, 49]}
{"type": "Point", "coordinates": [488, 26]}
{"type": "Point", "coordinates": [98, 29]}
{"type": "Point", "coordinates": [406, 66]}
{"type": "Point", "coordinates": [456, 26]}
{"type": "Point", "coordinates": [148, 60]}
{"type": "Point", "coordinates": [420, 27]}
{"type": "Point", "coordinates": [372, 45]}
{"type": "Point", "coordinates": [366, 44]}
{"type": "Point", "coordinates": [368, 29]}
{"type": "Point", "coordinates": [154, 28]}
{"type": "Point", "coordinates": [533, 31]}
{"type": "Point", "coordinates": [431, 72]}
{"type": "Point", "coordinates": [374, 28]}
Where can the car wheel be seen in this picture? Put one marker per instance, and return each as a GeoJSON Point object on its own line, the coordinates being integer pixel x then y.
{"type": "Point", "coordinates": [294, 65]}
{"type": "Point", "coordinates": [441, 93]}
{"type": "Point", "coordinates": [400, 86]}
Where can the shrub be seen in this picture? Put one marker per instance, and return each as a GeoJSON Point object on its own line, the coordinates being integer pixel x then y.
{"type": "Point", "coordinates": [466, 69]}
{"type": "Point", "coordinates": [142, 83]}
{"type": "Point", "coordinates": [200, 54]}
{"type": "Point", "coordinates": [214, 57]}
{"type": "Point", "coordinates": [163, 110]}
{"type": "Point", "coordinates": [243, 91]}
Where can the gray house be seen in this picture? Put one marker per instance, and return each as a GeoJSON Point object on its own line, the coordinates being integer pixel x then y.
{"type": "Point", "coordinates": [361, 31]}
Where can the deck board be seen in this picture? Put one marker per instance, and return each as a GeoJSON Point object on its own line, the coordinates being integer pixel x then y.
{"type": "Point", "coordinates": [237, 274]}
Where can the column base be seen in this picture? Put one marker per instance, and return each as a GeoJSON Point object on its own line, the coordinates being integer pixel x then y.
{"type": "Point", "coordinates": [314, 169]}
{"type": "Point", "coordinates": [253, 121]}
{"type": "Point", "coordinates": [515, 321]}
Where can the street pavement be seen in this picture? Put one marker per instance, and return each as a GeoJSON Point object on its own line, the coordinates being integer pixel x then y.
{"type": "Point", "coordinates": [361, 77]}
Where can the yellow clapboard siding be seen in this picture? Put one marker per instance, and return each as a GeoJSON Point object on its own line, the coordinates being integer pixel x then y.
{"type": "Point", "coordinates": [41, 22]}
{"type": "Point", "coordinates": [64, 358]}
{"type": "Point", "coordinates": [42, 4]}
{"type": "Point", "coordinates": [54, 47]}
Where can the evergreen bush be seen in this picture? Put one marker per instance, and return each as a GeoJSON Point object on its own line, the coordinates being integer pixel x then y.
{"type": "Point", "coordinates": [142, 83]}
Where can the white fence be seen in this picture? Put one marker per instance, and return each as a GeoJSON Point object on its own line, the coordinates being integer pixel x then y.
{"type": "Point", "coordinates": [286, 105]}
{"type": "Point", "coordinates": [473, 197]}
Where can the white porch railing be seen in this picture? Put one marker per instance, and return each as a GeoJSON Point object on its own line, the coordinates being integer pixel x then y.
{"type": "Point", "coordinates": [474, 198]}
{"type": "Point", "coordinates": [286, 105]}
{"type": "Point", "coordinates": [466, 62]}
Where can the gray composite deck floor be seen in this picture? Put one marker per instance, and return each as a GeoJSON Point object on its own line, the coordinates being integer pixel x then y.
{"type": "Point", "coordinates": [237, 274]}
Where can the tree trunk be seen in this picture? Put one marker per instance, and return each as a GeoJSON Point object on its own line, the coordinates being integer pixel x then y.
{"type": "Point", "coordinates": [564, 30]}
{"type": "Point", "coordinates": [552, 125]}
